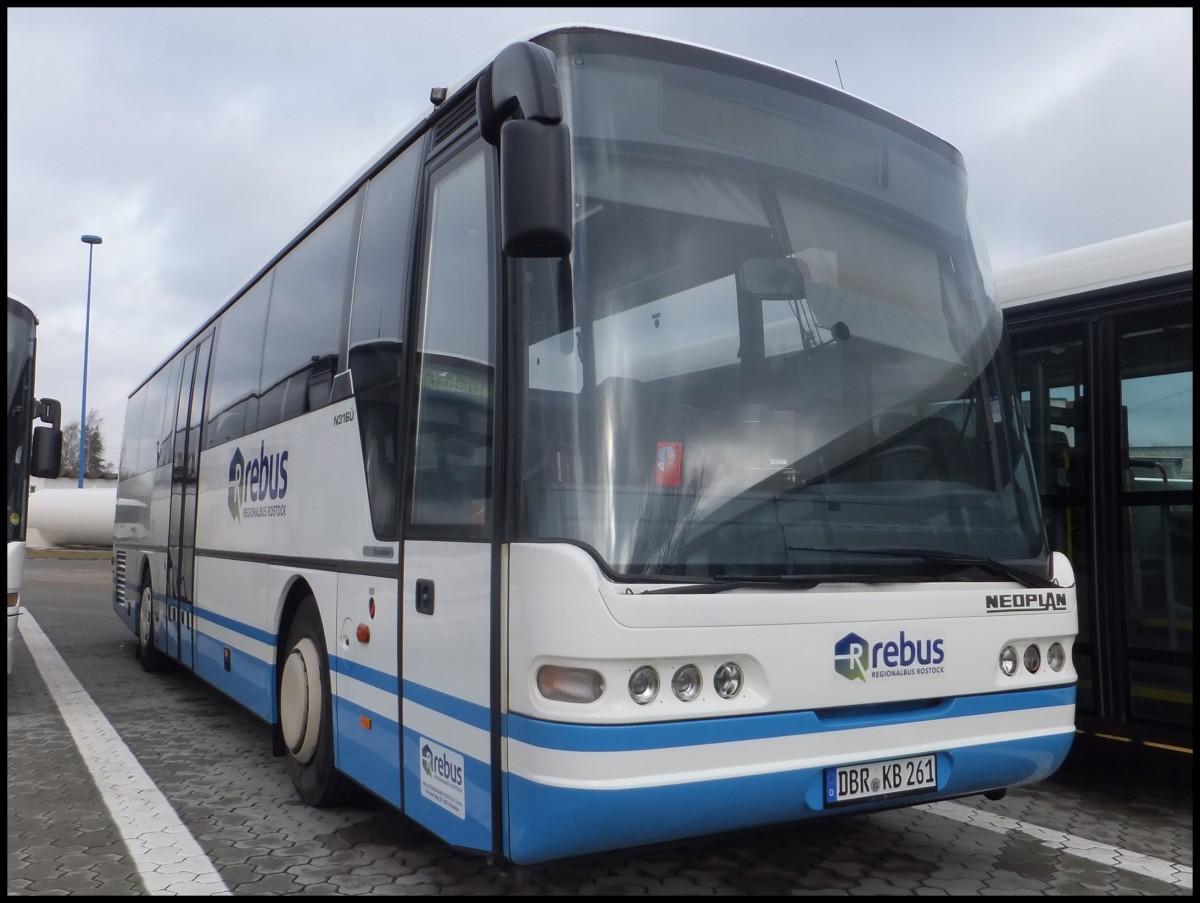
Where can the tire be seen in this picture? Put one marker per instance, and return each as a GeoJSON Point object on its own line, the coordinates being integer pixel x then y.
{"type": "Point", "coordinates": [153, 659]}
{"type": "Point", "coordinates": [306, 712]}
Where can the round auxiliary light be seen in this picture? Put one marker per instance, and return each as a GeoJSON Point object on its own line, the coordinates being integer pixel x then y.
{"type": "Point", "coordinates": [643, 685]}
{"type": "Point", "coordinates": [1008, 661]}
{"type": "Point", "coordinates": [1056, 656]}
{"type": "Point", "coordinates": [1033, 658]}
{"type": "Point", "coordinates": [728, 680]}
{"type": "Point", "coordinates": [687, 683]}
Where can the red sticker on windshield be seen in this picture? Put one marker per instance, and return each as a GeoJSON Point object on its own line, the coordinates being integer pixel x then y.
{"type": "Point", "coordinates": [668, 469]}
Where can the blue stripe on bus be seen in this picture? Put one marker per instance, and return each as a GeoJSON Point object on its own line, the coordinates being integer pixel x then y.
{"type": "Point", "coordinates": [254, 633]}
{"type": "Point", "coordinates": [372, 677]}
{"type": "Point", "coordinates": [662, 735]}
{"type": "Point", "coordinates": [546, 822]}
{"type": "Point", "coordinates": [471, 713]}
{"type": "Point", "coordinates": [369, 755]}
{"type": "Point", "coordinates": [249, 680]}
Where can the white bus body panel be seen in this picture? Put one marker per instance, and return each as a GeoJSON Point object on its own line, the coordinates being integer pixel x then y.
{"type": "Point", "coordinates": [318, 509]}
{"type": "Point", "coordinates": [1120, 261]}
{"type": "Point", "coordinates": [568, 613]}
{"type": "Point", "coordinates": [16, 579]}
{"type": "Point", "coordinates": [834, 676]}
{"type": "Point", "coordinates": [447, 691]}
{"type": "Point", "coordinates": [292, 517]}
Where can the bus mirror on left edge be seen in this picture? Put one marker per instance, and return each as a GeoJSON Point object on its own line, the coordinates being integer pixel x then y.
{"type": "Point", "coordinates": [47, 452]}
{"type": "Point", "coordinates": [535, 189]}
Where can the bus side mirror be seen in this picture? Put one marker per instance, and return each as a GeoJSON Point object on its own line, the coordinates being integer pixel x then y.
{"type": "Point", "coordinates": [520, 112]}
{"type": "Point", "coordinates": [49, 411]}
{"type": "Point", "coordinates": [535, 189]}
{"type": "Point", "coordinates": [46, 459]}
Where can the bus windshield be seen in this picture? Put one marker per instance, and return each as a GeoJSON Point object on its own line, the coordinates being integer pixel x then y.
{"type": "Point", "coordinates": [776, 351]}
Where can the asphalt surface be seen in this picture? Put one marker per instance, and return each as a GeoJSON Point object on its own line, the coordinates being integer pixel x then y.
{"type": "Point", "coordinates": [122, 782]}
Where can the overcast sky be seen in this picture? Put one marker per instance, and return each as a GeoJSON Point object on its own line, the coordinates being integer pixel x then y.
{"type": "Point", "coordinates": [197, 142]}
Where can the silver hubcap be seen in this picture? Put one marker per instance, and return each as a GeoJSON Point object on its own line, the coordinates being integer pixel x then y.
{"type": "Point", "coordinates": [144, 615]}
{"type": "Point", "coordinates": [300, 700]}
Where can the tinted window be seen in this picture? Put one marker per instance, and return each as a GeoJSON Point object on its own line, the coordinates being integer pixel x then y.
{"type": "Point", "coordinates": [304, 326]}
{"type": "Point", "coordinates": [451, 479]}
{"type": "Point", "coordinates": [133, 436]}
{"type": "Point", "coordinates": [377, 323]}
{"type": "Point", "coordinates": [233, 404]}
{"type": "Point", "coordinates": [148, 435]}
{"type": "Point", "coordinates": [1157, 533]}
{"type": "Point", "coordinates": [381, 281]}
{"type": "Point", "coordinates": [166, 419]}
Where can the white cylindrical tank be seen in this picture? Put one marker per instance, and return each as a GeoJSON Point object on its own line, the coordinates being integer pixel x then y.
{"type": "Point", "coordinates": [71, 517]}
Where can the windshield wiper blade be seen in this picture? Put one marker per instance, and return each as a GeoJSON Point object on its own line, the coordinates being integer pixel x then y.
{"type": "Point", "coordinates": [951, 559]}
{"type": "Point", "coordinates": [783, 581]}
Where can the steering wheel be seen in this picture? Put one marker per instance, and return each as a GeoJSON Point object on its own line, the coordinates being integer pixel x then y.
{"type": "Point", "coordinates": [922, 457]}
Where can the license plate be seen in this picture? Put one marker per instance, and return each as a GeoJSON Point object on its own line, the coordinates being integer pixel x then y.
{"type": "Point", "coordinates": [879, 780]}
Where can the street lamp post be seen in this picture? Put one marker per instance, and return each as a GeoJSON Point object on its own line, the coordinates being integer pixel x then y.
{"type": "Point", "coordinates": [91, 241]}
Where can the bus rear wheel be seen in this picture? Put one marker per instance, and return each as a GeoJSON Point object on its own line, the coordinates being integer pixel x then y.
{"type": "Point", "coordinates": [152, 659]}
{"type": "Point", "coordinates": [306, 712]}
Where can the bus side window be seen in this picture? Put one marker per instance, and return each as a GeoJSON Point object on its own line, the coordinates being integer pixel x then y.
{"type": "Point", "coordinates": [378, 317]}
{"type": "Point", "coordinates": [236, 366]}
{"type": "Point", "coordinates": [1060, 462]}
{"type": "Point", "coordinates": [451, 477]}
{"type": "Point", "coordinates": [307, 310]}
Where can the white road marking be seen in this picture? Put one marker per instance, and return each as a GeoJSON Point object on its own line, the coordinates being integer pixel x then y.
{"type": "Point", "coordinates": [1159, 869]}
{"type": "Point", "coordinates": [168, 859]}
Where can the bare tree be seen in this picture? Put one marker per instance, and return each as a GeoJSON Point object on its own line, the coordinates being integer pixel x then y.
{"type": "Point", "coordinates": [95, 466]}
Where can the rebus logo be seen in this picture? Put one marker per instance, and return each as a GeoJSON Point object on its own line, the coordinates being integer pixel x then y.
{"type": "Point", "coordinates": [856, 659]}
{"type": "Point", "coordinates": [850, 657]}
{"type": "Point", "coordinates": [263, 477]}
{"type": "Point", "coordinates": [440, 766]}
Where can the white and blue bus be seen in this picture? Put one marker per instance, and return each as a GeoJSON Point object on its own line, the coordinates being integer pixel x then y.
{"type": "Point", "coordinates": [32, 451]}
{"type": "Point", "coordinates": [1103, 342]}
{"type": "Point", "coordinates": [629, 453]}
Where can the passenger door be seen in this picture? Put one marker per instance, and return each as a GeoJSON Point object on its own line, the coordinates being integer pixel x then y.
{"type": "Point", "coordinates": [181, 537]}
{"type": "Point", "coordinates": [447, 592]}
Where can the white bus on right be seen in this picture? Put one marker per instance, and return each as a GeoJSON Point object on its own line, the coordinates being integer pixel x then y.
{"type": "Point", "coordinates": [1102, 340]}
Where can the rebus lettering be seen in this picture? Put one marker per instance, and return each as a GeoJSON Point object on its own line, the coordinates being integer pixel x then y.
{"type": "Point", "coordinates": [905, 652]}
{"type": "Point", "coordinates": [260, 479]}
{"type": "Point", "coordinates": [444, 768]}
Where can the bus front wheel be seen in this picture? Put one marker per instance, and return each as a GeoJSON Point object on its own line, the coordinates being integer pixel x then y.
{"type": "Point", "coordinates": [152, 659]}
{"type": "Point", "coordinates": [305, 712]}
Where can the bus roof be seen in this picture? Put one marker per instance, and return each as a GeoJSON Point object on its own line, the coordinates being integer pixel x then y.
{"type": "Point", "coordinates": [18, 304]}
{"type": "Point", "coordinates": [1119, 261]}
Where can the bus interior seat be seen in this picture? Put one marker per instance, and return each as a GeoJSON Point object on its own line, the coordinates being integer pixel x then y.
{"type": "Point", "coordinates": [1060, 461]}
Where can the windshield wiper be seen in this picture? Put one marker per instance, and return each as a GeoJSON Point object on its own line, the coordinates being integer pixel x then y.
{"type": "Point", "coordinates": [950, 559]}
{"type": "Point", "coordinates": [782, 581]}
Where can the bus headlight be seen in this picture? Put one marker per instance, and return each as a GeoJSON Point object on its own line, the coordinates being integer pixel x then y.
{"type": "Point", "coordinates": [687, 683]}
{"type": "Point", "coordinates": [1008, 661]}
{"type": "Point", "coordinates": [1056, 656]}
{"type": "Point", "coordinates": [1033, 658]}
{"type": "Point", "coordinates": [643, 685]}
{"type": "Point", "coordinates": [569, 684]}
{"type": "Point", "coordinates": [728, 680]}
